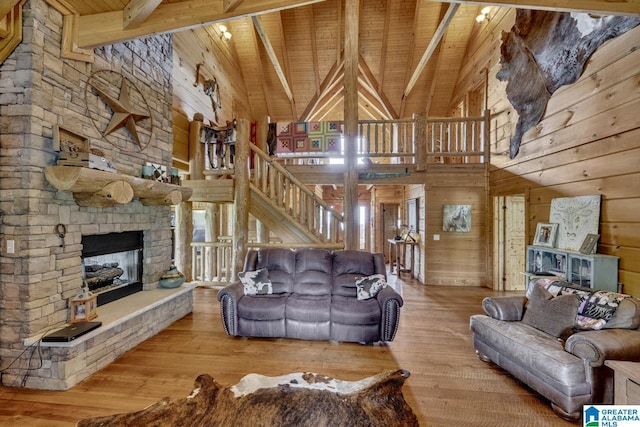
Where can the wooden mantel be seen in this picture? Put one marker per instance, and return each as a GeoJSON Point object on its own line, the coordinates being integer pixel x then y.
{"type": "Point", "coordinates": [96, 188]}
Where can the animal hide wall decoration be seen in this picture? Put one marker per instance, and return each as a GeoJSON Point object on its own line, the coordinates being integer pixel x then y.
{"type": "Point", "coordinates": [299, 399]}
{"type": "Point", "coordinates": [545, 50]}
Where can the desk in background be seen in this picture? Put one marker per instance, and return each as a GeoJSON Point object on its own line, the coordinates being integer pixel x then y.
{"type": "Point", "coordinates": [400, 250]}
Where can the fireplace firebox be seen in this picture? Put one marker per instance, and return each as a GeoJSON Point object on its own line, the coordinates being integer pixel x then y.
{"type": "Point", "coordinates": [112, 264]}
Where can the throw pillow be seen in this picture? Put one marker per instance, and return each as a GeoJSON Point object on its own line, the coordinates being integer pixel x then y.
{"type": "Point", "coordinates": [369, 286]}
{"type": "Point", "coordinates": [256, 282]}
{"type": "Point", "coordinates": [555, 316]}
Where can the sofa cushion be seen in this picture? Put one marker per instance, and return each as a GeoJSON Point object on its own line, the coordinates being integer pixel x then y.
{"type": "Point", "coordinates": [535, 353]}
{"type": "Point", "coordinates": [369, 286]}
{"type": "Point", "coordinates": [347, 267]}
{"type": "Point", "coordinates": [256, 282]}
{"type": "Point", "coordinates": [352, 311]}
{"type": "Point", "coordinates": [555, 316]}
{"type": "Point", "coordinates": [262, 307]}
{"type": "Point", "coordinates": [281, 264]}
{"type": "Point", "coordinates": [598, 309]}
{"type": "Point", "coordinates": [308, 308]}
{"type": "Point", "coordinates": [313, 272]}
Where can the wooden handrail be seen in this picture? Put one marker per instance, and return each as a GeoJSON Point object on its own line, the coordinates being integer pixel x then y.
{"type": "Point", "coordinates": [282, 170]}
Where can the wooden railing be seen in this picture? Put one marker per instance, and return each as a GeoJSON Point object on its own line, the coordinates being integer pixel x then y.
{"type": "Point", "coordinates": [419, 141]}
{"type": "Point", "coordinates": [211, 261]}
{"type": "Point", "coordinates": [294, 198]}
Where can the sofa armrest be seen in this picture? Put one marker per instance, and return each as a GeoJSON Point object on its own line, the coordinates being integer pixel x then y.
{"type": "Point", "coordinates": [504, 308]}
{"type": "Point", "coordinates": [390, 302]}
{"type": "Point", "coordinates": [595, 347]}
{"type": "Point", "coordinates": [229, 297]}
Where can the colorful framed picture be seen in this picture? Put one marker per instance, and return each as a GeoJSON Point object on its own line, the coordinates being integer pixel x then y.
{"type": "Point", "coordinates": [546, 235]}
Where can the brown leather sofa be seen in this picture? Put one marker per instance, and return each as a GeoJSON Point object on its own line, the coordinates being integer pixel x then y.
{"type": "Point", "coordinates": [314, 297]}
{"type": "Point", "coordinates": [569, 373]}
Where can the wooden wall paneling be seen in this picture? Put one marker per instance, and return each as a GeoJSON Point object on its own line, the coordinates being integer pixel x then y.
{"type": "Point", "coordinates": [180, 128]}
{"type": "Point", "coordinates": [588, 143]}
{"type": "Point", "coordinates": [457, 259]}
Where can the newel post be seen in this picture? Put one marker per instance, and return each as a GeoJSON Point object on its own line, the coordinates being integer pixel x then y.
{"type": "Point", "coordinates": [420, 141]}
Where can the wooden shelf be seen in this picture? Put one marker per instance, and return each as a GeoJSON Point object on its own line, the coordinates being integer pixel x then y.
{"type": "Point", "coordinates": [96, 188]}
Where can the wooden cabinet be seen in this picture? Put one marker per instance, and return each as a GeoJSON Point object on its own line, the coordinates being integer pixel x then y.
{"type": "Point", "coordinates": [593, 271]}
{"type": "Point", "coordinates": [626, 386]}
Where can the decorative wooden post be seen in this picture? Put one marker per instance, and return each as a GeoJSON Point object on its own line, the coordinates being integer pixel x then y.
{"type": "Point", "coordinates": [211, 235]}
{"type": "Point", "coordinates": [241, 205]}
{"type": "Point", "coordinates": [196, 148]}
{"type": "Point", "coordinates": [420, 140]}
{"type": "Point", "coordinates": [352, 13]}
{"type": "Point", "coordinates": [183, 237]}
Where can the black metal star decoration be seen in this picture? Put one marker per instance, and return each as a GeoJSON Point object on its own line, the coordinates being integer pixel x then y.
{"type": "Point", "coordinates": [124, 113]}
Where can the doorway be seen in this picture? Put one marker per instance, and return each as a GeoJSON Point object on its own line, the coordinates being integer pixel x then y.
{"type": "Point", "coordinates": [390, 223]}
{"type": "Point", "coordinates": [509, 243]}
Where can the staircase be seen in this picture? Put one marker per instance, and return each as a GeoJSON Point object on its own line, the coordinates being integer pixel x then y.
{"type": "Point", "coordinates": [288, 208]}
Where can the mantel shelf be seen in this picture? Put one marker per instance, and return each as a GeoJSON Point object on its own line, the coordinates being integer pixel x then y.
{"type": "Point", "coordinates": [96, 188]}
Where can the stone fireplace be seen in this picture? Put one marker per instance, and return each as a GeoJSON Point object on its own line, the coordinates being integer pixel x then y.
{"type": "Point", "coordinates": [40, 272]}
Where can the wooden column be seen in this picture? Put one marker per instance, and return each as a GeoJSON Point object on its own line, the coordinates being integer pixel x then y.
{"type": "Point", "coordinates": [241, 205]}
{"type": "Point", "coordinates": [211, 235]}
{"type": "Point", "coordinates": [196, 148]}
{"type": "Point", "coordinates": [420, 140]}
{"type": "Point", "coordinates": [352, 18]}
{"type": "Point", "coordinates": [183, 237]}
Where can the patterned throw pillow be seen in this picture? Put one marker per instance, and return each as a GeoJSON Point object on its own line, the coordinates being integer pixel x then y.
{"type": "Point", "coordinates": [554, 315]}
{"type": "Point", "coordinates": [368, 287]}
{"type": "Point", "coordinates": [256, 282]}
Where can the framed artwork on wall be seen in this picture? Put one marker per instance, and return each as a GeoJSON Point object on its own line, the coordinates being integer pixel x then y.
{"type": "Point", "coordinates": [545, 234]}
{"type": "Point", "coordinates": [456, 218]}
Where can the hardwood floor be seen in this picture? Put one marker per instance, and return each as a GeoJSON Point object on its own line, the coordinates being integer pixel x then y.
{"type": "Point", "coordinates": [448, 386]}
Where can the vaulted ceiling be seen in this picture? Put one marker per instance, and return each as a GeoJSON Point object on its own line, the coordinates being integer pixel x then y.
{"type": "Point", "coordinates": [291, 53]}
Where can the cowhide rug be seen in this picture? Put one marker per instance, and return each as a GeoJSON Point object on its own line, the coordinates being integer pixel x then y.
{"type": "Point", "coordinates": [298, 399]}
{"type": "Point", "coordinates": [545, 50]}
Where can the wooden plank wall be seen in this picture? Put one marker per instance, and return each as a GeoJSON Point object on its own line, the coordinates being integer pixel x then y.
{"type": "Point", "coordinates": [218, 61]}
{"type": "Point", "coordinates": [587, 143]}
{"type": "Point", "coordinates": [456, 259]}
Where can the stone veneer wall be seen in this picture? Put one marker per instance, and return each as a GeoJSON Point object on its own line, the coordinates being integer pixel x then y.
{"type": "Point", "coordinates": [38, 90]}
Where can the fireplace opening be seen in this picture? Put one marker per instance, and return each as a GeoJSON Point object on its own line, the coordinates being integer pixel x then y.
{"type": "Point", "coordinates": [112, 264]}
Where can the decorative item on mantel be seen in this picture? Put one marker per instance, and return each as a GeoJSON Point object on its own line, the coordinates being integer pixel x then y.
{"type": "Point", "coordinates": [84, 307]}
{"type": "Point", "coordinates": [74, 150]}
{"type": "Point", "coordinates": [172, 278]}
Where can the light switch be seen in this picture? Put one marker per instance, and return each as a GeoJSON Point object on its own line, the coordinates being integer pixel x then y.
{"type": "Point", "coordinates": [11, 246]}
{"type": "Point", "coordinates": [436, 237]}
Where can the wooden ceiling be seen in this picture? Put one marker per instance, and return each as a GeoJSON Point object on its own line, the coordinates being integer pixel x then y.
{"type": "Point", "coordinates": [291, 53]}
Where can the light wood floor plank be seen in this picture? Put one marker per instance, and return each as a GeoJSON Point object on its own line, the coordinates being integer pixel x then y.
{"type": "Point", "coordinates": [448, 386]}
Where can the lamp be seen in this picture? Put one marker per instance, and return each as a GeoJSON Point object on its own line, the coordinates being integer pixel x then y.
{"type": "Point", "coordinates": [224, 34]}
{"type": "Point", "coordinates": [484, 15]}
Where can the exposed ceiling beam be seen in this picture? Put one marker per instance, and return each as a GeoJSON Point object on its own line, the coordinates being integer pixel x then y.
{"type": "Point", "coordinates": [136, 11]}
{"type": "Point", "coordinates": [371, 85]}
{"type": "Point", "coordinates": [106, 28]}
{"type": "Point", "coordinates": [231, 5]}
{"type": "Point", "coordinates": [432, 47]}
{"type": "Point", "coordinates": [272, 57]}
{"type": "Point", "coordinates": [602, 7]}
{"type": "Point", "coordinates": [332, 78]}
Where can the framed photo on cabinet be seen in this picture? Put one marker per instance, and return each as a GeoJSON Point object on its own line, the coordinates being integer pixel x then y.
{"type": "Point", "coordinates": [545, 235]}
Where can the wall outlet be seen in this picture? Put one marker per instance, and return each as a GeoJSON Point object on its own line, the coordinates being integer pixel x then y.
{"type": "Point", "coordinates": [11, 246]}
{"type": "Point", "coordinates": [436, 237]}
